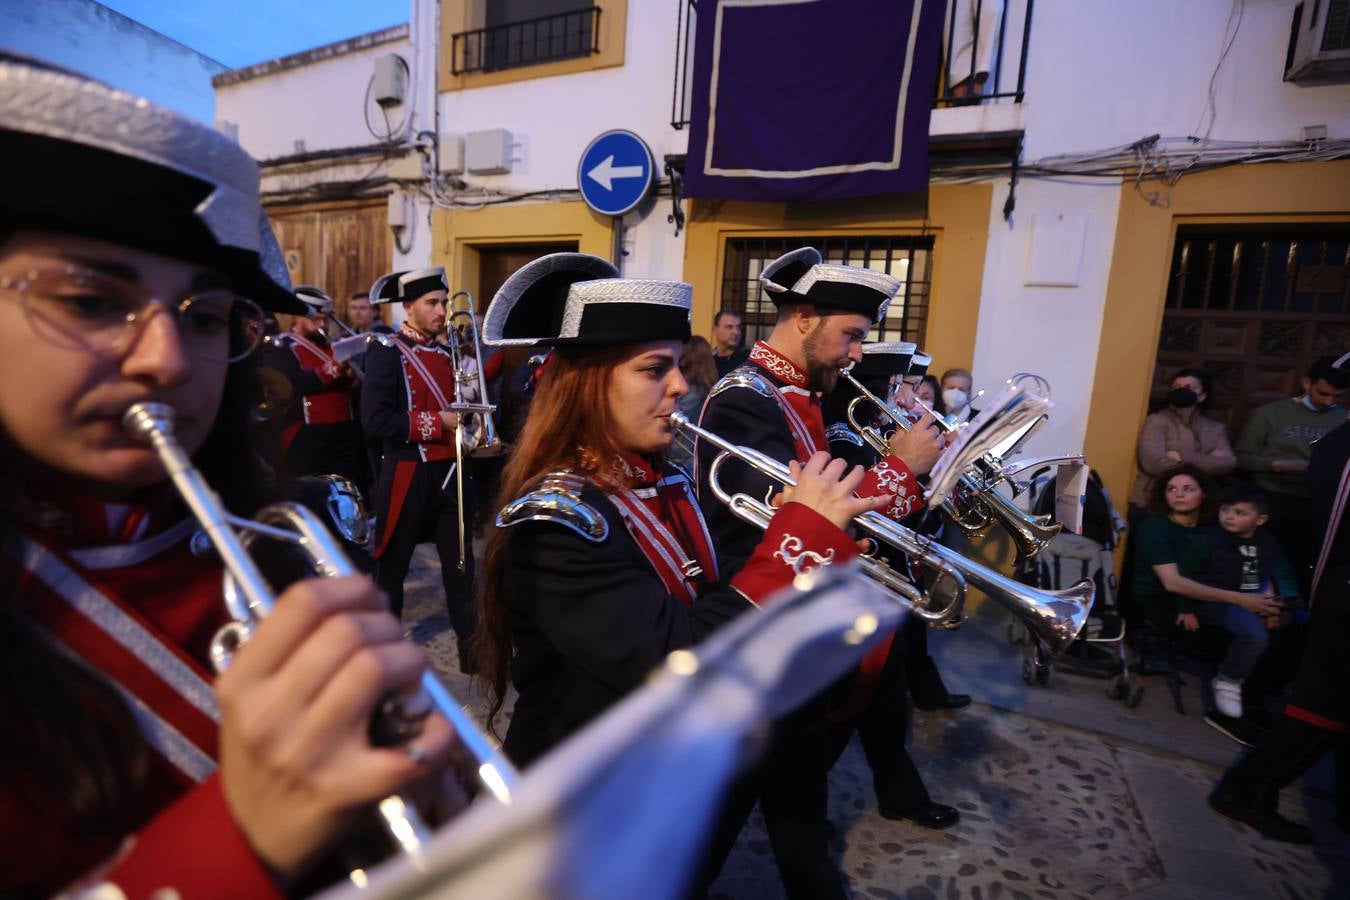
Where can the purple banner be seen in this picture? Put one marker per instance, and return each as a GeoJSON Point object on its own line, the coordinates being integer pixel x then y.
{"type": "Point", "coordinates": [812, 99]}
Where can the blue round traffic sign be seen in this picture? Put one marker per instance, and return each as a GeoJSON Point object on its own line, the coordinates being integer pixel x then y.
{"type": "Point", "coordinates": [616, 171]}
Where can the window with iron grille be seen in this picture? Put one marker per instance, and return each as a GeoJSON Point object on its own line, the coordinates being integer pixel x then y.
{"type": "Point", "coordinates": [908, 259]}
{"type": "Point", "coordinates": [525, 33]}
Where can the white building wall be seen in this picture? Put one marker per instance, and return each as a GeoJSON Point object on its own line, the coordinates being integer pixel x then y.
{"type": "Point", "coordinates": [88, 37]}
{"type": "Point", "coordinates": [1102, 74]}
{"type": "Point", "coordinates": [323, 103]}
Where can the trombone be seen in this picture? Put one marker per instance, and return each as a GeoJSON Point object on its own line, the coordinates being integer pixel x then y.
{"type": "Point", "coordinates": [249, 597]}
{"type": "Point", "coordinates": [1053, 617]}
{"type": "Point", "coordinates": [975, 505]}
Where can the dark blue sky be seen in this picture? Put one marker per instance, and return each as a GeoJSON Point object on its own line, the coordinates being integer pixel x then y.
{"type": "Point", "coordinates": [242, 32]}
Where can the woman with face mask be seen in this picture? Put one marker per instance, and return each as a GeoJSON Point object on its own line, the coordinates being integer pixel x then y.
{"type": "Point", "coordinates": [135, 266]}
{"type": "Point", "coordinates": [1179, 433]}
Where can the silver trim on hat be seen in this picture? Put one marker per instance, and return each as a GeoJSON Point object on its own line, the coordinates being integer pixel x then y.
{"type": "Point", "coordinates": [649, 291]}
{"type": "Point", "coordinates": [870, 278]}
{"type": "Point", "coordinates": [897, 348]}
{"type": "Point", "coordinates": [315, 299]}
{"type": "Point", "coordinates": [408, 278]}
{"type": "Point", "coordinates": [70, 107]}
{"type": "Point", "coordinates": [921, 359]}
{"type": "Point", "coordinates": [805, 254]}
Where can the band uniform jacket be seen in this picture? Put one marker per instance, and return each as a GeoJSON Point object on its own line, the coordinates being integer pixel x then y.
{"type": "Point", "coordinates": [595, 605]}
{"type": "Point", "coordinates": [320, 435]}
{"type": "Point", "coordinates": [142, 609]}
{"type": "Point", "coordinates": [766, 406]}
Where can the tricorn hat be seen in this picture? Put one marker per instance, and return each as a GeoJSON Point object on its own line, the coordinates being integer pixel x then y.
{"type": "Point", "coordinates": [919, 364]}
{"type": "Point", "coordinates": [573, 299]}
{"type": "Point", "coordinates": [406, 286]}
{"type": "Point", "coordinates": [802, 276]}
{"type": "Point", "coordinates": [317, 301]}
{"type": "Point", "coordinates": [86, 159]}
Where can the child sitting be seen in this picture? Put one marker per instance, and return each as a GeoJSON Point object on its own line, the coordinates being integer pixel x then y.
{"type": "Point", "coordinates": [1239, 555]}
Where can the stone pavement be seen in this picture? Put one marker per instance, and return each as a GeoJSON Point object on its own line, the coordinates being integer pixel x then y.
{"type": "Point", "coordinates": [1063, 792]}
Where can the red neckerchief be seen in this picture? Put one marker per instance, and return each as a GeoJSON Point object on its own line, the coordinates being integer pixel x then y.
{"type": "Point", "coordinates": [665, 522]}
{"type": "Point", "coordinates": [417, 337]}
{"type": "Point", "coordinates": [802, 410]}
{"type": "Point", "coordinates": [76, 518]}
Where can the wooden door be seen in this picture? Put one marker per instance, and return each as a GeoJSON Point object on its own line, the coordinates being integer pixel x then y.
{"type": "Point", "coordinates": [1253, 306]}
{"type": "Point", "coordinates": [495, 265]}
{"type": "Point", "coordinates": [340, 250]}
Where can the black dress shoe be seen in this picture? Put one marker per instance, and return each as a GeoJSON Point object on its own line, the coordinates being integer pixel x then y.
{"type": "Point", "coordinates": [1270, 823]}
{"type": "Point", "coordinates": [949, 702]}
{"type": "Point", "coordinates": [929, 815]}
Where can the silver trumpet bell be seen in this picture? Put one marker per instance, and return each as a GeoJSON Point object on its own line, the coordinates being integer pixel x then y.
{"type": "Point", "coordinates": [1054, 618]}
{"type": "Point", "coordinates": [974, 505]}
{"type": "Point", "coordinates": [249, 596]}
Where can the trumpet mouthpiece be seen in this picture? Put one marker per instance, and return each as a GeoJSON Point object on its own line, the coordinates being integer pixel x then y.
{"type": "Point", "coordinates": [141, 420]}
{"type": "Point", "coordinates": [679, 419]}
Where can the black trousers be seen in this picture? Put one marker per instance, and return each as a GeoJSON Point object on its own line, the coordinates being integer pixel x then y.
{"type": "Point", "coordinates": [883, 726]}
{"type": "Point", "coordinates": [1294, 747]}
{"type": "Point", "coordinates": [791, 787]}
{"type": "Point", "coordinates": [923, 680]}
{"type": "Point", "coordinates": [428, 514]}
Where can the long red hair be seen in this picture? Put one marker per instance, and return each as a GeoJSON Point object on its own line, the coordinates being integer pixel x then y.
{"type": "Point", "coordinates": [569, 427]}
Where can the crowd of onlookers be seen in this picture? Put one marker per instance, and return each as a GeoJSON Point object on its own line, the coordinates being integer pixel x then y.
{"type": "Point", "coordinates": [1226, 544]}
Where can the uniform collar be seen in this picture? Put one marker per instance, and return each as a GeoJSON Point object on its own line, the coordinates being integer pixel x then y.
{"type": "Point", "coordinates": [639, 470]}
{"type": "Point", "coordinates": [777, 364]}
{"type": "Point", "coordinates": [417, 337]}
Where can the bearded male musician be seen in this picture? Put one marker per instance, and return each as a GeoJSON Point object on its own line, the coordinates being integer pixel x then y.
{"type": "Point", "coordinates": [409, 386]}
{"type": "Point", "coordinates": [773, 405]}
{"type": "Point", "coordinates": [321, 436]}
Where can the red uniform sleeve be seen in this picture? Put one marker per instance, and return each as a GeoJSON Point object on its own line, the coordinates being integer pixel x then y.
{"type": "Point", "coordinates": [891, 476]}
{"type": "Point", "coordinates": [426, 428]}
{"type": "Point", "coordinates": [493, 367]}
{"type": "Point", "coordinates": [797, 541]}
{"type": "Point", "coordinates": [193, 849]}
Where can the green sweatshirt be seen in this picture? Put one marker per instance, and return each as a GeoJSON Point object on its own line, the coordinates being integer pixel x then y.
{"type": "Point", "coordinates": [1284, 429]}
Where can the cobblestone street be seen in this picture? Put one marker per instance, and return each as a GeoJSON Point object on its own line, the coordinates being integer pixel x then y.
{"type": "Point", "coordinates": [1063, 793]}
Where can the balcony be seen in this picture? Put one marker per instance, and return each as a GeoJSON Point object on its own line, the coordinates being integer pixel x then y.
{"type": "Point", "coordinates": [528, 42]}
{"type": "Point", "coordinates": [981, 82]}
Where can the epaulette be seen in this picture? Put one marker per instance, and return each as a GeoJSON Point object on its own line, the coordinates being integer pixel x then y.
{"type": "Point", "coordinates": [744, 377]}
{"type": "Point", "coordinates": [557, 498]}
{"type": "Point", "coordinates": [279, 340]}
{"type": "Point", "coordinates": [840, 431]}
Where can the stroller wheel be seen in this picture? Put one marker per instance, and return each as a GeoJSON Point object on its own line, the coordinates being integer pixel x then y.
{"type": "Point", "coordinates": [1117, 689]}
{"type": "Point", "coordinates": [1135, 695]}
{"type": "Point", "coordinates": [1044, 675]}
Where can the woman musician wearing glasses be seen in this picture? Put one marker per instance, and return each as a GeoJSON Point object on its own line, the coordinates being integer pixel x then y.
{"type": "Point", "coordinates": [134, 259]}
{"type": "Point", "coordinates": [603, 564]}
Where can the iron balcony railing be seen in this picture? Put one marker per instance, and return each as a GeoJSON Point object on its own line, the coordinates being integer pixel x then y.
{"type": "Point", "coordinates": [984, 54]}
{"type": "Point", "coordinates": [528, 42]}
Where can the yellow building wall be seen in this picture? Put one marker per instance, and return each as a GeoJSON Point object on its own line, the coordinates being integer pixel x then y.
{"type": "Point", "coordinates": [458, 233]}
{"type": "Point", "coordinates": [1137, 284]}
{"type": "Point", "coordinates": [958, 219]}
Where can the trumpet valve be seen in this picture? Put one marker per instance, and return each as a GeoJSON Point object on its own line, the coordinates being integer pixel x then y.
{"type": "Point", "coordinates": [399, 718]}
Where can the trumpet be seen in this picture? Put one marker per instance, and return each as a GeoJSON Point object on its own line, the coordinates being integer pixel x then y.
{"type": "Point", "coordinates": [975, 505]}
{"type": "Point", "coordinates": [249, 597]}
{"type": "Point", "coordinates": [1054, 618]}
{"type": "Point", "coordinates": [485, 442]}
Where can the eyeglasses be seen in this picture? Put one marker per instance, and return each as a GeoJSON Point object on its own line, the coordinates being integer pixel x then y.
{"type": "Point", "coordinates": [87, 310]}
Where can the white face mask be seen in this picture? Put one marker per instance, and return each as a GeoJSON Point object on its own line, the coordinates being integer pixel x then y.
{"type": "Point", "coordinates": [955, 398]}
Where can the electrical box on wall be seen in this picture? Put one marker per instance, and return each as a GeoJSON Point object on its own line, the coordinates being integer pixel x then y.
{"type": "Point", "coordinates": [398, 210]}
{"type": "Point", "coordinates": [488, 152]}
{"type": "Point", "coordinates": [391, 80]}
{"type": "Point", "coordinates": [1055, 250]}
{"type": "Point", "coordinates": [450, 154]}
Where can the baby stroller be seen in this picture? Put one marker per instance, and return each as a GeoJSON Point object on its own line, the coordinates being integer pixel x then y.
{"type": "Point", "coordinates": [1099, 651]}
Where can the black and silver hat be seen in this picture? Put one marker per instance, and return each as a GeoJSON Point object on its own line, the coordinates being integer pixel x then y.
{"type": "Point", "coordinates": [316, 300]}
{"type": "Point", "coordinates": [573, 299]}
{"type": "Point", "coordinates": [84, 158]}
{"type": "Point", "coordinates": [802, 276]}
{"type": "Point", "coordinates": [919, 364]}
{"type": "Point", "coordinates": [404, 287]}
{"type": "Point", "coordinates": [882, 359]}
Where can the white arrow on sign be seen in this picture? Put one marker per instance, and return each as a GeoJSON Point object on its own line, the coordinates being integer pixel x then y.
{"type": "Point", "coordinates": [605, 173]}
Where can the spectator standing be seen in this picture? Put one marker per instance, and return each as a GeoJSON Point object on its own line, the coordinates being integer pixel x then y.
{"type": "Point", "coordinates": [1179, 433]}
{"type": "Point", "coordinates": [956, 396]}
{"type": "Point", "coordinates": [360, 314]}
{"type": "Point", "coordinates": [727, 350]}
{"type": "Point", "coordinates": [1275, 446]}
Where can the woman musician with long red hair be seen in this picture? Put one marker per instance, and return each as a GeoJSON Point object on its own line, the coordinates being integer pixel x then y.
{"type": "Point", "coordinates": [602, 564]}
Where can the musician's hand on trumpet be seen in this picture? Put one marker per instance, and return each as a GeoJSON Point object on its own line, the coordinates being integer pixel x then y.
{"type": "Point", "coordinates": [826, 485]}
{"type": "Point", "coordinates": [920, 447]}
{"type": "Point", "coordinates": [296, 762]}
